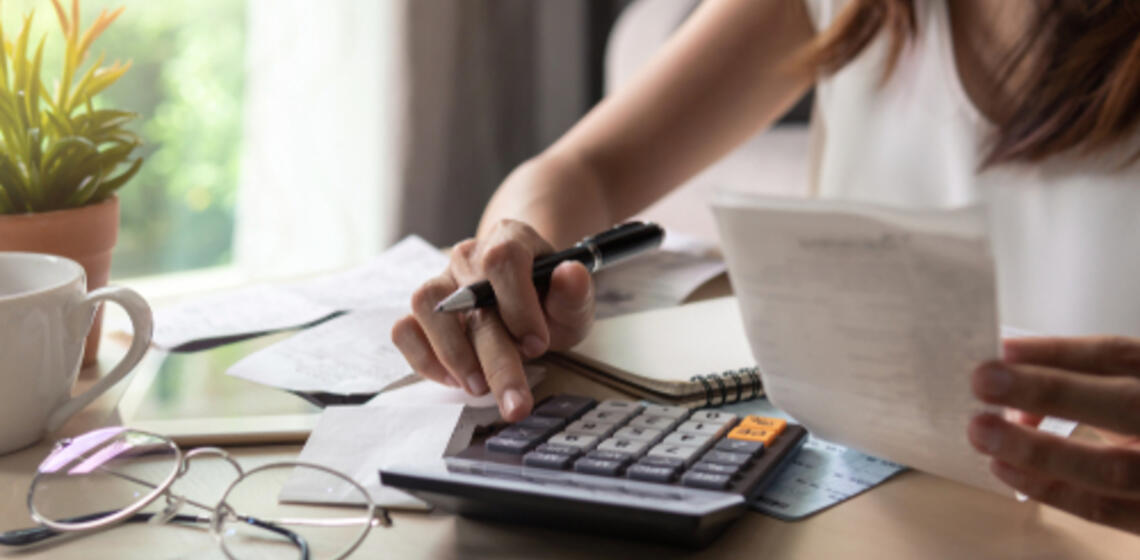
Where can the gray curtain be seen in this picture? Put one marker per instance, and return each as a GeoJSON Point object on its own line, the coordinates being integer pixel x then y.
{"type": "Point", "coordinates": [488, 83]}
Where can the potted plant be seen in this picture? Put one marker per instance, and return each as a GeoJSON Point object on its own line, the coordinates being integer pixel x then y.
{"type": "Point", "coordinates": [62, 158]}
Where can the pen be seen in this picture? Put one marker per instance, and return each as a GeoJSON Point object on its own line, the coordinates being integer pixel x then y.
{"type": "Point", "coordinates": [598, 251]}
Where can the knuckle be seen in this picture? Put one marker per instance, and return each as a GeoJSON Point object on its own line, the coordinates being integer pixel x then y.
{"type": "Point", "coordinates": [1121, 471]}
{"type": "Point", "coordinates": [403, 333]}
{"type": "Point", "coordinates": [1032, 453]}
{"type": "Point", "coordinates": [1124, 351]}
{"type": "Point", "coordinates": [426, 296]}
{"type": "Point", "coordinates": [462, 251]}
{"type": "Point", "coordinates": [501, 255]}
{"type": "Point", "coordinates": [1099, 510]}
{"type": "Point", "coordinates": [1047, 390]}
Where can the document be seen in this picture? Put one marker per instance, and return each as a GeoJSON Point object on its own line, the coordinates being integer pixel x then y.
{"type": "Point", "coordinates": [661, 278]}
{"type": "Point", "coordinates": [867, 322]}
{"type": "Point", "coordinates": [386, 281]}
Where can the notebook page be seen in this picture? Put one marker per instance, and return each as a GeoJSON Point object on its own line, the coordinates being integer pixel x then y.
{"type": "Point", "coordinates": [867, 322]}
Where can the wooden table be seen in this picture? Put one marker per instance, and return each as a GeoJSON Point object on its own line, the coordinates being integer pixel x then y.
{"type": "Point", "coordinates": [914, 515]}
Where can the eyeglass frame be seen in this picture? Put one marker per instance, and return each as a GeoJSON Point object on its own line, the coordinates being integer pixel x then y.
{"type": "Point", "coordinates": [217, 513]}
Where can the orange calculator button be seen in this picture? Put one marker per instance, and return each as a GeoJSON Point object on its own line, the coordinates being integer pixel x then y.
{"type": "Point", "coordinates": [752, 433]}
{"type": "Point", "coordinates": [776, 425]}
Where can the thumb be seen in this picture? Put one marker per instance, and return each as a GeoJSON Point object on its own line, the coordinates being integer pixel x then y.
{"type": "Point", "coordinates": [569, 305]}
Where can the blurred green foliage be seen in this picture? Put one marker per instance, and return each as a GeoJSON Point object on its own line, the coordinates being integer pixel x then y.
{"type": "Point", "coordinates": [186, 81]}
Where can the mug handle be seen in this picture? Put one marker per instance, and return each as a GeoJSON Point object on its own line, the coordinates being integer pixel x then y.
{"type": "Point", "coordinates": [143, 325]}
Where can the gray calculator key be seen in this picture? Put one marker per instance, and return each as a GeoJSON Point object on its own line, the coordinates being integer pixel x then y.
{"type": "Point", "coordinates": [651, 473]}
{"type": "Point", "coordinates": [692, 440]}
{"type": "Point", "coordinates": [684, 453]}
{"type": "Point", "coordinates": [608, 416]}
{"type": "Point", "coordinates": [670, 411]}
{"type": "Point", "coordinates": [715, 468]}
{"type": "Point", "coordinates": [725, 457]}
{"type": "Point", "coordinates": [571, 450]}
{"type": "Point", "coordinates": [622, 445]}
{"type": "Point", "coordinates": [698, 479]}
{"type": "Point", "coordinates": [607, 455]}
{"type": "Point", "coordinates": [564, 406]}
{"type": "Point", "coordinates": [590, 428]}
{"type": "Point", "coordinates": [519, 432]}
{"type": "Point", "coordinates": [713, 417]}
{"type": "Point", "coordinates": [752, 448]}
{"type": "Point", "coordinates": [602, 467]}
{"type": "Point", "coordinates": [509, 445]}
{"type": "Point", "coordinates": [556, 461]}
{"type": "Point", "coordinates": [639, 434]}
{"type": "Point", "coordinates": [546, 423]}
{"type": "Point", "coordinates": [619, 405]}
{"type": "Point", "coordinates": [661, 461]}
{"type": "Point", "coordinates": [581, 441]}
{"type": "Point", "coordinates": [653, 422]}
{"type": "Point", "coordinates": [695, 427]}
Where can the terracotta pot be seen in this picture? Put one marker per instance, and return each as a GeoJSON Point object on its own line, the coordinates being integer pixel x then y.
{"type": "Point", "coordinates": [85, 235]}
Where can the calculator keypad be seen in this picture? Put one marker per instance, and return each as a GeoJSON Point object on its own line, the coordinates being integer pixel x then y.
{"type": "Point", "coordinates": [706, 449]}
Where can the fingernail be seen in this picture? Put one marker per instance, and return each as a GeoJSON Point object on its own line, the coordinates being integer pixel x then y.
{"type": "Point", "coordinates": [994, 381]}
{"type": "Point", "coordinates": [512, 402]}
{"type": "Point", "coordinates": [988, 436]}
{"type": "Point", "coordinates": [476, 385]}
{"type": "Point", "coordinates": [533, 346]}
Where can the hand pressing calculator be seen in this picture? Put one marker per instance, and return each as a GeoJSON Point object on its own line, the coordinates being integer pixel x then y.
{"type": "Point", "coordinates": [618, 466]}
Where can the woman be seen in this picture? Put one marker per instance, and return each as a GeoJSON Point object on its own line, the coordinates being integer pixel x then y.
{"type": "Point", "coordinates": [1031, 107]}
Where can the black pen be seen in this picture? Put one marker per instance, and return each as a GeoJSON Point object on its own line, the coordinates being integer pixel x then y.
{"type": "Point", "coordinates": [598, 251]}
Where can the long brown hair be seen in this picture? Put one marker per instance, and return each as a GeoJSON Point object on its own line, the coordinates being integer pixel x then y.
{"type": "Point", "coordinates": [1085, 77]}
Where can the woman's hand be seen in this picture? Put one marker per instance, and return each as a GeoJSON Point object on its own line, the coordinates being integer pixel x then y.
{"type": "Point", "coordinates": [1094, 380]}
{"type": "Point", "coordinates": [486, 347]}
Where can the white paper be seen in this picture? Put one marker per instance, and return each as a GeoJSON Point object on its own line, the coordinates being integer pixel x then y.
{"type": "Point", "coordinates": [348, 355]}
{"type": "Point", "coordinates": [482, 410]}
{"type": "Point", "coordinates": [248, 310]}
{"type": "Point", "coordinates": [662, 278]}
{"type": "Point", "coordinates": [386, 281]}
{"type": "Point", "coordinates": [867, 322]}
{"type": "Point", "coordinates": [359, 441]}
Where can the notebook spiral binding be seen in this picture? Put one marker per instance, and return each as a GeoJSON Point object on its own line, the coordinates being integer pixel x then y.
{"type": "Point", "coordinates": [730, 381]}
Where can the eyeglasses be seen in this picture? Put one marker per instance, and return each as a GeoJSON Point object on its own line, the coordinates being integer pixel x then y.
{"type": "Point", "coordinates": [109, 476]}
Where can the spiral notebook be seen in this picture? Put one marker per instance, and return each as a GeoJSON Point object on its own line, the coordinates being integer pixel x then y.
{"type": "Point", "coordinates": [695, 354]}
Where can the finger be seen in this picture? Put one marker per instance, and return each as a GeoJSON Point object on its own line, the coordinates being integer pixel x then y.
{"type": "Point", "coordinates": [1107, 510]}
{"type": "Point", "coordinates": [569, 304]}
{"type": "Point", "coordinates": [507, 259]}
{"type": "Point", "coordinates": [1111, 355]}
{"type": "Point", "coordinates": [446, 334]}
{"type": "Point", "coordinates": [410, 339]}
{"type": "Point", "coordinates": [1111, 402]}
{"type": "Point", "coordinates": [502, 364]}
{"type": "Point", "coordinates": [1022, 417]}
{"type": "Point", "coordinates": [1106, 470]}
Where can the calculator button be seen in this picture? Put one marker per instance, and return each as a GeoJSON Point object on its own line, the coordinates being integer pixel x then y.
{"type": "Point", "coordinates": [752, 448]}
{"type": "Point", "coordinates": [684, 453]}
{"type": "Point", "coordinates": [590, 428]}
{"type": "Point", "coordinates": [652, 422]}
{"type": "Point", "coordinates": [726, 458]}
{"type": "Point", "coordinates": [692, 440]}
{"type": "Point", "coordinates": [676, 412]}
{"type": "Point", "coordinates": [713, 417]}
{"type": "Point", "coordinates": [518, 432]}
{"type": "Point", "coordinates": [622, 445]}
{"type": "Point", "coordinates": [581, 441]}
{"type": "Point", "coordinates": [639, 434]}
{"type": "Point", "coordinates": [652, 473]}
{"type": "Point", "coordinates": [602, 467]}
{"type": "Point", "coordinates": [715, 468]}
{"type": "Point", "coordinates": [659, 461]}
{"type": "Point", "coordinates": [559, 449]}
{"type": "Point", "coordinates": [606, 455]}
{"type": "Point", "coordinates": [619, 405]}
{"type": "Point", "coordinates": [608, 416]}
{"type": "Point", "coordinates": [698, 479]}
{"type": "Point", "coordinates": [545, 423]}
{"type": "Point", "coordinates": [704, 428]}
{"type": "Point", "coordinates": [509, 445]}
{"type": "Point", "coordinates": [542, 460]}
{"type": "Point", "coordinates": [564, 406]}
{"type": "Point", "coordinates": [775, 425]}
{"type": "Point", "coordinates": [748, 432]}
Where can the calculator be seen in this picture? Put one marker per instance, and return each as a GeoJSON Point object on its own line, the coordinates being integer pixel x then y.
{"type": "Point", "coordinates": [622, 467]}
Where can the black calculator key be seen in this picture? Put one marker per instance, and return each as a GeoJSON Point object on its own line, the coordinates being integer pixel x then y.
{"type": "Point", "coordinates": [652, 473]}
{"type": "Point", "coordinates": [542, 460]}
{"type": "Point", "coordinates": [559, 449]}
{"type": "Point", "coordinates": [725, 457]}
{"type": "Point", "coordinates": [698, 479]}
{"type": "Point", "coordinates": [518, 432]}
{"type": "Point", "coordinates": [565, 406]}
{"type": "Point", "coordinates": [547, 424]}
{"type": "Point", "coordinates": [610, 455]}
{"type": "Point", "coordinates": [716, 468]}
{"type": "Point", "coordinates": [602, 467]}
{"type": "Point", "coordinates": [662, 461]}
{"type": "Point", "coordinates": [751, 448]}
{"type": "Point", "coordinates": [509, 445]}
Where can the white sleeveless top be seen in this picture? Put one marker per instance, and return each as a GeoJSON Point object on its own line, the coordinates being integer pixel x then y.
{"type": "Point", "coordinates": [1065, 234]}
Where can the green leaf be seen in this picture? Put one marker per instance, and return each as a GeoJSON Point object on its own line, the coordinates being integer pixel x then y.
{"type": "Point", "coordinates": [14, 183]}
{"type": "Point", "coordinates": [87, 188]}
{"type": "Point", "coordinates": [111, 185]}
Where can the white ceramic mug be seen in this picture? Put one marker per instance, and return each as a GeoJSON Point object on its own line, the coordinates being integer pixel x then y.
{"type": "Point", "coordinates": [45, 313]}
